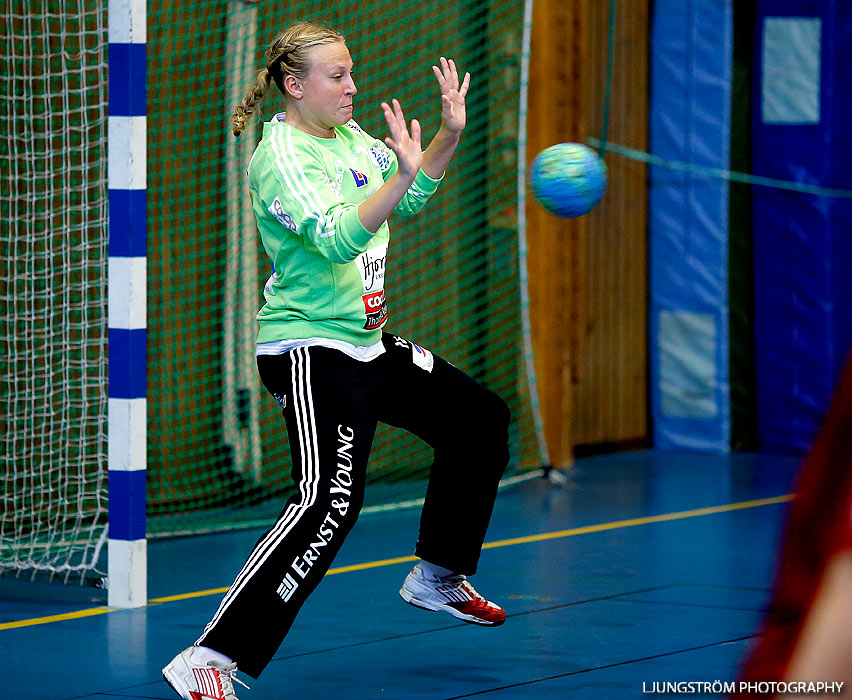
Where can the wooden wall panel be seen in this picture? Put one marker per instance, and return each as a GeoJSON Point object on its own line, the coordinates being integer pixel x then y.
{"type": "Point", "coordinates": [610, 395]}
{"type": "Point", "coordinates": [588, 282]}
{"type": "Point", "coordinates": [555, 114]}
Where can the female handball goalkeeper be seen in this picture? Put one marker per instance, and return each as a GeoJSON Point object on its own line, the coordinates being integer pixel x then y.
{"type": "Point", "coordinates": [322, 190]}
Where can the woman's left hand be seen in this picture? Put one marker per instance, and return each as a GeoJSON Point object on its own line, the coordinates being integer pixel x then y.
{"type": "Point", "coordinates": [453, 114]}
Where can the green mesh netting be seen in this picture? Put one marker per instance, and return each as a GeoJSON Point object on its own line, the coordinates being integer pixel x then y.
{"type": "Point", "coordinates": [53, 236]}
{"type": "Point", "coordinates": [217, 450]}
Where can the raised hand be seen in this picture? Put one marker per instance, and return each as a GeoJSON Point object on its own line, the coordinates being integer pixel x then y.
{"type": "Point", "coordinates": [453, 113]}
{"type": "Point", "coordinates": [409, 154]}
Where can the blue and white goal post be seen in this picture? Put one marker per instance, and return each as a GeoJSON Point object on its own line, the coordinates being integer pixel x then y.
{"type": "Point", "coordinates": [127, 453]}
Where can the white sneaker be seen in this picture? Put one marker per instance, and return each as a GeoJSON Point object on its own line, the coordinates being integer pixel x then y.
{"type": "Point", "coordinates": [452, 594]}
{"type": "Point", "coordinates": [211, 680]}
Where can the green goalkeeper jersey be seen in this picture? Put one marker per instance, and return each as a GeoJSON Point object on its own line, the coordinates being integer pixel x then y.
{"type": "Point", "coordinates": [328, 277]}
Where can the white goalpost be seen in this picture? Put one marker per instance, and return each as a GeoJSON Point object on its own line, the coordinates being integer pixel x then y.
{"type": "Point", "coordinates": [127, 457]}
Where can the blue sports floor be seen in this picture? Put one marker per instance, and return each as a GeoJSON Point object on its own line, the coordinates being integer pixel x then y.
{"type": "Point", "coordinates": [645, 567]}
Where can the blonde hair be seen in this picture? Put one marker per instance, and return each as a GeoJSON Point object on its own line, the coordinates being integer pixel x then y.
{"type": "Point", "coordinates": [287, 55]}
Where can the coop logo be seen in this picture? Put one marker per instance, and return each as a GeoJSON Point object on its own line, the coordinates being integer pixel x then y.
{"type": "Point", "coordinates": [374, 301]}
{"type": "Point", "coordinates": [371, 263]}
{"type": "Point", "coordinates": [360, 178]}
{"type": "Point", "coordinates": [278, 212]}
{"type": "Point", "coordinates": [376, 309]}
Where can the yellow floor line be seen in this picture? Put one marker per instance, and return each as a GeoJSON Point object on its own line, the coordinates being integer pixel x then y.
{"type": "Point", "coordinates": [618, 524]}
{"type": "Point", "coordinates": [615, 525]}
{"type": "Point", "coordinates": [56, 618]}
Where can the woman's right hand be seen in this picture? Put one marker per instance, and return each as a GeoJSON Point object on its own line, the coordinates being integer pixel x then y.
{"type": "Point", "coordinates": [406, 146]}
{"type": "Point", "coordinates": [375, 210]}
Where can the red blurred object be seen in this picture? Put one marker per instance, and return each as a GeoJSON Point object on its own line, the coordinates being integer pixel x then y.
{"type": "Point", "coordinates": [818, 528]}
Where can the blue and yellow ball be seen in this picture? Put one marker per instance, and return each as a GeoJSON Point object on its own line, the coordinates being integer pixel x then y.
{"type": "Point", "coordinates": [568, 179]}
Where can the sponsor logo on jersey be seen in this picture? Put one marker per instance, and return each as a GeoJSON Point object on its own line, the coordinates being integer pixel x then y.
{"type": "Point", "coordinates": [422, 357]}
{"type": "Point", "coordinates": [278, 212]}
{"type": "Point", "coordinates": [360, 178]}
{"type": "Point", "coordinates": [376, 309]}
{"type": "Point", "coordinates": [371, 263]}
{"type": "Point", "coordinates": [376, 318]}
{"type": "Point", "coordinates": [380, 155]}
{"type": "Point", "coordinates": [374, 301]}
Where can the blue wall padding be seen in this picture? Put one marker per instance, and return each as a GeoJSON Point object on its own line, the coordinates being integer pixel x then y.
{"type": "Point", "coordinates": [691, 69]}
{"type": "Point", "coordinates": [802, 243]}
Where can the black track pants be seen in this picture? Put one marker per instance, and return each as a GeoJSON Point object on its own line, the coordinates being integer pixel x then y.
{"type": "Point", "coordinates": [332, 404]}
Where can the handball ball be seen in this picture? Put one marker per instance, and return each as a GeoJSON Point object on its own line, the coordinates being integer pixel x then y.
{"type": "Point", "coordinates": [568, 179]}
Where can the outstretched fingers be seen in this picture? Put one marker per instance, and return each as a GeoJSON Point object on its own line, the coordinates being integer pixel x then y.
{"type": "Point", "coordinates": [442, 82]}
{"type": "Point", "coordinates": [397, 110]}
{"type": "Point", "coordinates": [395, 119]}
{"type": "Point", "coordinates": [448, 77]}
{"type": "Point", "coordinates": [465, 84]}
{"type": "Point", "coordinates": [453, 92]}
{"type": "Point", "coordinates": [415, 132]}
{"type": "Point", "coordinates": [404, 140]}
{"type": "Point", "coordinates": [451, 69]}
{"type": "Point", "coordinates": [391, 121]}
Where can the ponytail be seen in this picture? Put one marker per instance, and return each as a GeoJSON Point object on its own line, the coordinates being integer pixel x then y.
{"type": "Point", "coordinates": [247, 107]}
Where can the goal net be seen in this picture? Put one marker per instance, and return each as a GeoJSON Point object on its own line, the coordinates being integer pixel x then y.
{"type": "Point", "coordinates": [53, 233]}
